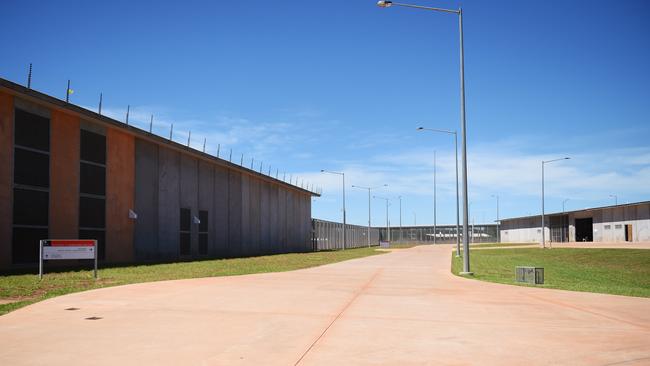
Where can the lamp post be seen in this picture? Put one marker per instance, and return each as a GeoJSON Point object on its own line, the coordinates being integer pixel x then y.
{"type": "Point", "coordinates": [615, 197]}
{"type": "Point", "coordinates": [400, 218]}
{"type": "Point", "coordinates": [387, 224]}
{"type": "Point", "coordinates": [457, 194]}
{"type": "Point", "coordinates": [498, 231]}
{"type": "Point", "coordinates": [459, 12]}
{"type": "Point", "coordinates": [564, 202]}
{"type": "Point", "coordinates": [415, 219]}
{"type": "Point", "coordinates": [344, 219]}
{"type": "Point", "coordinates": [543, 223]}
{"type": "Point", "coordinates": [369, 189]}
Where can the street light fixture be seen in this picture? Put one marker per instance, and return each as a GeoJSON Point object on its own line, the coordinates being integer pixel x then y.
{"type": "Point", "coordinates": [457, 194]}
{"type": "Point", "coordinates": [459, 12]}
{"type": "Point", "coordinates": [400, 218]}
{"type": "Point", "coordinates": [344, 218]}
{"type": "Point", "coordinates": [387, 224]}
{"type": "Point", "coordinates": [543, 223]}
{"type": "Point", "coordinates": [369, 189]}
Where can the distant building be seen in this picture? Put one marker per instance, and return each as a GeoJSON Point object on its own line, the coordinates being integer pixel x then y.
{"type": "Point", "coordinates": [620, 223]}
{"type": "Point", "coordinates": [67, 172]}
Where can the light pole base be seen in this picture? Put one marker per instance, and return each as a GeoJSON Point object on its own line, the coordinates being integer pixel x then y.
{"type": "Point", "coordinates": [466, 273]}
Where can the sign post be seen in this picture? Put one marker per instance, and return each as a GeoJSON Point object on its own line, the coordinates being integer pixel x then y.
{"type": "Point", "coordinates": [55, 249]}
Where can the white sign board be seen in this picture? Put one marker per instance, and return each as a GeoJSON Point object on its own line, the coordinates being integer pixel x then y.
{"type": "Point", "coordinates": [54, 249]}
{"type": "Point", "coordinates": [68, 252]}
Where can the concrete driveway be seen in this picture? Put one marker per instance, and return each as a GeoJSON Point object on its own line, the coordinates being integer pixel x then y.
{"type": "Point", "coordinates": [401, 308]}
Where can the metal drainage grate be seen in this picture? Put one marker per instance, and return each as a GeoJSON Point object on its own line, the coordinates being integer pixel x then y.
{"type": "Point", "coordinates": [72, 309]}
{"type": "Point", "coordinates": [93, 318]}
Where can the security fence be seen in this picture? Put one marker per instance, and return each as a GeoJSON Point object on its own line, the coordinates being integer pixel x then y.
{"type": "Point", "coordinates": [444, 234]}
{"type": "Point", "coordinates": [328, 235]}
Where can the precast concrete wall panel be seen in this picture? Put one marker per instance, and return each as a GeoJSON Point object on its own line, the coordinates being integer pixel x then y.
{"type": "Point", "coordinates": [64, 175]}
{"type": "Point", "coordinates": [120, 180]}
{"type": "Point", "coordinates": [221, 211]}
{"type": "Point", "coordinates": [235, 212]}
{"type": "Point", "coordinates": [206, 201]}
{"type": "Point", "coordinates": [274, 230]}
{"type": "Point", "coordinates": [265, 219]}
{"type": "Point", "coordinates": [189, 185]}
{"type": "Point", "coordinates": [304, 223]}
{"type": "Point", "coordinates": [291, 222]}
{"type": "Point", "coordinates": [168, 203]}
{"type": "Point", "coordinates": [282, 220]}
{"type": "Point", "coordinates": [306, 219]}
{"type": "Point", "coordinates": [254, 216]}
{"type": "Point", "coordinates": [146, 200]}
{"type": "Point", "coordinates": [246, 237]}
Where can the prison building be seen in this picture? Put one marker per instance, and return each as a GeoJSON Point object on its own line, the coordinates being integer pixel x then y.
{"type": "Point", "coordinates": [620, 223]}
{"type": "Point", "coordinates": [67, 172]}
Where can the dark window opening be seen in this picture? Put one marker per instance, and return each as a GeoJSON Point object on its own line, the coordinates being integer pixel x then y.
{"type": "Point", "coordinates": [186, 219]}
{"type": "Point", "coordinates": [92, 212]}
{"type": "Point", "coordinates": [203, 232]}
{"type": "Point", "coordinates": [93, 147]}
{"type": "Point", "coordinates": [185, 244]}
{"type": "Point", "coordinates": [203, 217]}
{"type": "Point", "coordinates": [186, 228]}
{"type": "Point", "coordinates": [31, 207]}
{"type": "Point", "coordinates": [92, 179]}
{"type": "Point", "coordinates": [32, 130]}
{"type": "Point", "coordinates": [31, 168]}
{"type": "Point", "coordinates": [25, 245]}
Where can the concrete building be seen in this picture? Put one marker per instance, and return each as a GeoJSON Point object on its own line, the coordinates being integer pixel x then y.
{"type": "Point", "coordinates": [620, 223]}
{"type": "Point", "coordinates": [67, 172]}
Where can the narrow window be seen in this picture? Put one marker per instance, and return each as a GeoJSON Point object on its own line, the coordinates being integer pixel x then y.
{"type": "Point", "coordinates": [203, 232]}
{"type": "Point", "coordinates": [31, 184]}
{"type": "Point", "coordinates": [186, 226]}
{"type": "Point", "coordinates": [92, 189]}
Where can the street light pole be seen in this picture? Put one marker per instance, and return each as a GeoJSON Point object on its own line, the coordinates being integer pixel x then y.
{"type": "Point", "coordinates": [563, 202]}
{"type": "Point", "coordinates": [387, 224]}
{"type": "Point", "coordinates": [457, 194]}
{"type": "Point", "coordinates": [543, 223]}
{"type": "Point", "coordinates": [400, 218]}
{"type": "Point", "coordinates": [459, 12]}
{"type": "Point", "coordinates": [369, 189]}
{"type": "Point", "coordinates": [344, 218]}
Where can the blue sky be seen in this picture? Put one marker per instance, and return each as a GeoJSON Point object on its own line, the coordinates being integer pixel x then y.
{"type": "Point", "coordinates": [310, 85]}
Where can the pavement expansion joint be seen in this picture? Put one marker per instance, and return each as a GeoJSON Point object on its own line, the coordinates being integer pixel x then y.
{"type": "Point", "coordinates": [352, 300]}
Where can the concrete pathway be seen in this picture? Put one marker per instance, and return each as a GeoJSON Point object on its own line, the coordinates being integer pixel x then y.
{"type": "Point", "coordinates": [401, 308]}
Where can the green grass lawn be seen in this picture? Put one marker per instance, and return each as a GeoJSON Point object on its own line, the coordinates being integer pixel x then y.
{"type": "Point", "coordinates": [499, 245]}
{"type": "Point", "coordinates": [24, 289]}
{"type": "Point", "coordinates": [609, 271]}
